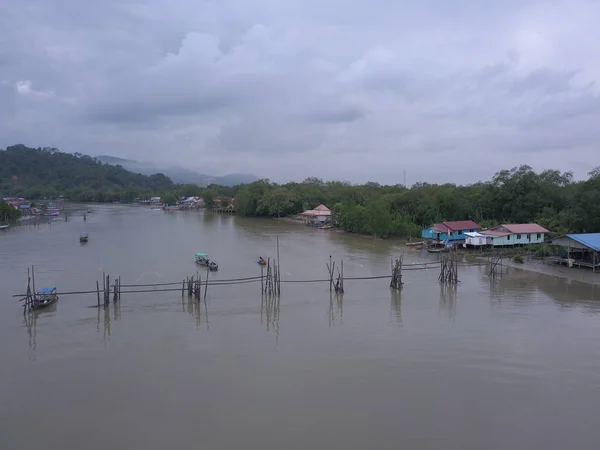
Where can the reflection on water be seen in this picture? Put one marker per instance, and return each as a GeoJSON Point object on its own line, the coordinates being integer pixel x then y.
{"type": "Point", "coordinates": [269, 313]}
{"type": "Point", "coordinates": [336, 314]}
{"type": "Point", "coordinates": [447, 304]}
{"type": "Point", "coordinates": [396, 303]}
{"type": "Point", "coordinates": [518, 368]}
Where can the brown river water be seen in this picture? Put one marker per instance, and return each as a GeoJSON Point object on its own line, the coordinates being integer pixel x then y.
{"type": "Point", "coordinates": [511, 364]}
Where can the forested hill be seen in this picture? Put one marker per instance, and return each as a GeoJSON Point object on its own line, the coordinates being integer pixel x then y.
{"type": "Point", "coordinates": [47, 172]}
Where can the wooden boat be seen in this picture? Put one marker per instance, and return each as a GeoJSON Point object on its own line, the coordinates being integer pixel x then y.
{"type": "Point", "coordinates": [83, 237]}
{"type": "Point", "coordinates": [261, 261]}
{"type": "Point", "coordinates": [326, 227]}
{"type": "Point", "coordinates": [438, 249]}
{"type": "Point", "coordinates": [202, 259]}
{"type": "Point", "coordinates": [415, 244]}
{"type": "Point", "coordinates": [4, 227]}
{"type": "Point", "coordinates": [44, 298]}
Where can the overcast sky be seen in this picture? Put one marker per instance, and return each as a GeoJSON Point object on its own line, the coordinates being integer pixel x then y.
{"type": "Point", "coordinates": [285, 89]}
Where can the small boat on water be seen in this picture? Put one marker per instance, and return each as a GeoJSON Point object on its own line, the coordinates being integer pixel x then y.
{"type": "Point", "coordinates": [83, 237]}
{"type": "Point", "coordinates": [44, 298]}
{"type": "Point", "coordinates": [415, 244]}
{"type": "Point", "coordinates": [261, 261]}
{"type": "Point", "coordinates": [326, 227]}
{"type": "Point", "coordinates": [4, 227]}
{"type": "Point", "coordinates": [202, 259]}
{"type": "Point", "coordinates": [438, 249]}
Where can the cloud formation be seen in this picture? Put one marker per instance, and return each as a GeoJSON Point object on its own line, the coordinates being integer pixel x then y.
{"type": "Point", "coordinates": [363, 90]}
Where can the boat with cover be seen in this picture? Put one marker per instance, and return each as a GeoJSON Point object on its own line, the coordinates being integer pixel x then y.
{"type": "Point", "coordinates": [44, 298]}
{"type": "Point", "coordinates": [202, 259]}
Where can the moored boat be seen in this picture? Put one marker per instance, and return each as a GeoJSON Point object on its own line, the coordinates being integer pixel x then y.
{"type": "Point", "coordinates": [415, 244]}
{"type": "Point", "coordinates": [438, 249]}
{"type": "Point", "coordinates": [44, 298]}
{"type": "Point", "coordinates": [261, 261]}
{"type": "Point", "coordinates": [202, 259]}
{"type": "Point", "coordinates": [83, 237]}
{"type": "Point", "coordinates": [4, 227]}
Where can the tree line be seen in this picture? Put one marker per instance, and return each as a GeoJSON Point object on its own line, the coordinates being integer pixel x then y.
{"type": "Point", "coordinates": [518, 195]}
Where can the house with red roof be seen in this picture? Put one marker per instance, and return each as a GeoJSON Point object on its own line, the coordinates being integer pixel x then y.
{"type": "Point", "coordinates": [449, 231]}
{"type": "Point", "coordinates": [511, 234]}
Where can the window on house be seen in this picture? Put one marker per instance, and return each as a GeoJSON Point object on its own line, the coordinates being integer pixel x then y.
{"type": "Point", "coordinates": [539, 235]}
{"type": "Point", "coordinates": [518, 236]}
{"type": "Point", "coordinates": [508, 237]}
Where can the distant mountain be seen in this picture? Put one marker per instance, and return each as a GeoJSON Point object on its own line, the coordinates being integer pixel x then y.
{"type": "Point", "coordinates": [178, 174]}
{"type": "Point", "coordinates": [47, 172]}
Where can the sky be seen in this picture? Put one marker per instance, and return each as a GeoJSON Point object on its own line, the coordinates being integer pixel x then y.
{"type": "Point", "coordinates": [444, 91]}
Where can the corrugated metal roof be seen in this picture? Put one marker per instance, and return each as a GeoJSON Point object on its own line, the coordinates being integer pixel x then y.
{"type": "Point", "coordinates": [524, 228]}
{"type": "Point", "coordinates": [321, 208]}
{"type": "Point", "coordinates": [462, 225]}
{"type": "Point", "coordinates": [495, 233]}
{"type": "Point", "coordinates": [591, 240]}
{"type": "Point", "coordinates": [440, 228]}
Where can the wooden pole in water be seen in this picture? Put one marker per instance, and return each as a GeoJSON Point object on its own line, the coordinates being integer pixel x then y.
{"type": "Point", "coordinates": [330, 268]}
{"type": "Point", "coordinates": [206, 284]}
{"type": "Point", "coordinates": [33, 281]}
{"type": "Point", "coordinates": [278, 287]}
{"type": "Point", "coordinates": [262, 272]}
{"type": "Point", "coordinates": [98, 292]}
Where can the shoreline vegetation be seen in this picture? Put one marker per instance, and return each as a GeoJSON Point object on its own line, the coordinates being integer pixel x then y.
{"type": "Point", "coordinates": [520, 195]}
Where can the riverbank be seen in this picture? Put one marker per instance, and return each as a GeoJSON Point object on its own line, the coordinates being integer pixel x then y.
{"type": "Point", "coordinates": [393, 240]}
{"type": "Point", "coordinates": [573, 274]}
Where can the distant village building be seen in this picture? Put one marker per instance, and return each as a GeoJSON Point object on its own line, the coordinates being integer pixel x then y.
{"type": "Point", "coordinates": [509, 235]}
{"type": "Point", "coordinates": [582, 250]}
{"type": "Point", "coordinates": [218, 203]}
{"type": "Point", "coordinates": [449, 231]}
{"type": "Point", "coordinates": [320, 214]}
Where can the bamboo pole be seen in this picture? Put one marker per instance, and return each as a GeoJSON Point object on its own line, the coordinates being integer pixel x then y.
{"type": "Point", "coordinates": [33, 281]}
{"type": "Point", "coordinates": [342, 275]}
{"type": "Point", "coordinates": [206, 284]}
{"type": "Point", "coordinates": [262, 285]}
{"type": "Point", "coordinates": [98, 292]}
{"type": "Point", "coordinates": [278, 269]}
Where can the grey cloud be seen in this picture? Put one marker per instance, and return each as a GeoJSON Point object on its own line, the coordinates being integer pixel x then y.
{"type": "Point", "coordinates": [548, 81]}
{"type": "Point", "coordinates": [227, 83]}
{"type": "Point", "coordinates": [338, 115]}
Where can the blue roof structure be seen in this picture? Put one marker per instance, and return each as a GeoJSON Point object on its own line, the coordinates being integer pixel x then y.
{"type": "Point", "coordinates": [591, 240]}
{"type": "Point", "coordinates": [47, 290]}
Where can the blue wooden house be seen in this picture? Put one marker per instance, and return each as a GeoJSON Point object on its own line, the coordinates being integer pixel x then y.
{"type": "Point", "coordinates": [449, 231]}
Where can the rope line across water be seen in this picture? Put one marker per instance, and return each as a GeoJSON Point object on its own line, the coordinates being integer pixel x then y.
{"type": "Point", "coordinates": [233, 281]}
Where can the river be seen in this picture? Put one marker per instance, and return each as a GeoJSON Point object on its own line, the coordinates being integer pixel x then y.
{"type": "Point", "coordinates": [511, 364]}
